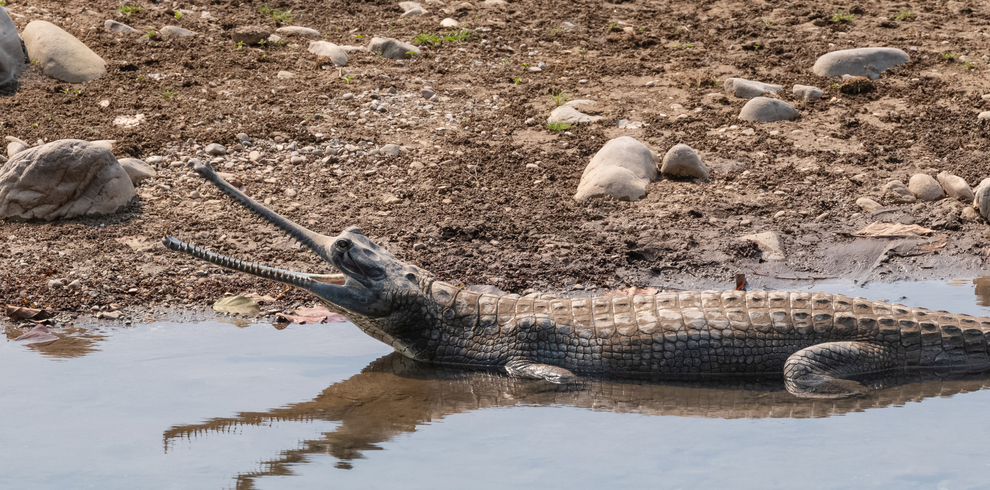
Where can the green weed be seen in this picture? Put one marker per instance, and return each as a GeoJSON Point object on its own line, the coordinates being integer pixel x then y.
{"type": "Point", "coordinates": [127, 10]}
{"type": "Point", "coordinates": [168, 94]}
{"type": "Point", "coordinates": [906, 15]}
{"type": "Point", "coordinates": [559, 126]}
{"type": "Point", "coordinates": [560, 98]}
{"type": "Point", "coordinates": [840, 18]}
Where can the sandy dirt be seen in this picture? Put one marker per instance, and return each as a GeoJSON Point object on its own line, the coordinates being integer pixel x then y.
{"type": "Point", "coordinates": [461, 201]}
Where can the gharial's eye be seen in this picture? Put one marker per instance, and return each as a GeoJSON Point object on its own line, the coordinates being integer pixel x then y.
{"type": "Point", "coordinates": [343, 244]}
{"type": "Point", "coordinates": [411, 276]}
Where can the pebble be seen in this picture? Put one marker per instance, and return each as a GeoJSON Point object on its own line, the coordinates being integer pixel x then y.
{"type": "Point", "coordinates": [765, 109]}
{"type": "Point", "coordinates": [895, 192]}
{"type": "Point", "coordinates": [175, 31]}
{"type": "Point", "coordinates": [682, 161]}
{"type": "Point", "coordinates": [243, 138]}
{"type": "Point", "coordinates": [651, 83]}
{"type": "Point", "coordinates": [215, 149]}
{"type": "Point", "coordinates": [290, 192]}
{"type": "Point", "coordinates": [983, 116]}
{"type": "Point", "coordinates": [112, 25]}
{"type": "Point", "coordinates": [747, 89]}
{"type": "Point", "coordinates": [254, 156]}
{"type": "Point", "coordinates": [347, 96]}
{"type": "Point", "coordinates": [390, 150]}
{"type": "Point", "coordinates": [868, 205]}
{"type": "Point", "coordinates": [982, 200]}
{"type": "Point", "coordinates": [568, 114]}
{"type": "Point", "coordinates": [448, 22]}
{"type": "Point", "coordinates": [323, 48]}
{"type": "Point", "coordinates": [925, 187]}
{"type": "Point", "coordinates": [955, 186]}
{"type": "Point", "coordinates": [282, 74]}
{"type": "Point", "coordinates": [428, 92]}
{"type": "Point", "coordinates": [393, 48]}
{"type": "Point", "coordinates": [807, 92]}
{"type": "Point", "coordinates": [297, 31]}
{"type": "Point", "coordinates": [297, 159]}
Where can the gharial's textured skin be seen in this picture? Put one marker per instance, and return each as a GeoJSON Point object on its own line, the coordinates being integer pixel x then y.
{"type": "Point", "coordinates": [816, 340]}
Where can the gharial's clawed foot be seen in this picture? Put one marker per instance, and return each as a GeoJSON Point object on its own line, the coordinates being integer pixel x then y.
{"type": "Point", "coordinates": [533, 370]}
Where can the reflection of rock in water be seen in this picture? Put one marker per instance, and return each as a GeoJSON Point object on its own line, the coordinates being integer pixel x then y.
{"type": "Point", "coordinates": [982, 290]}
{"type": "Point", "coordinates": [395, 395]}
{"type": "Point", "coordinates": [72, 342]}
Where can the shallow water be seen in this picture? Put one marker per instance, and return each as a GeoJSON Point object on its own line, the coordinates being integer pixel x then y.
{"type": "Point", "coordinates": [212, 405]}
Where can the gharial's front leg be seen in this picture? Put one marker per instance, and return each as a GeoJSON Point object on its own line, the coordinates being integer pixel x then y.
{"type": "Point", "coordinates": [530, 328]}
{"type": "Point", "coordinates": [819, 371]}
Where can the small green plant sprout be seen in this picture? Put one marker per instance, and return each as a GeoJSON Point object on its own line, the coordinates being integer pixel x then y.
{"type": "Point", "coordinates": [969, 65]}
{"type": "Point", "coordinates": [168, 94]}
{"type": "Point", "coordinates": [425, 39]}
{"type": "Point", "coordinates": [72, 91]}
{"type": "Point", "coordinates": [34, 125]}
{"type": "Point", "coordinates": [949, 56]}
{"type": "Point", "coordinates": [410, 53]}
{"type": "Point", "coordinates": [347, 80]}
{"type": "Point", "coordinates": [517, 81]}
{"type": "Point", "coordinates": [239, 44]}
{"type": "Point", "coordinates": [584, 51]}
{"type": "Point", "coordinates": [262, 42]}
{"type": "Point", "coordinates": [282, 16]}
{"type": "Point", "coordinates": [906, 15]}
{"type": "Point", "coordinates": [127, 10]}
{"type": "Point", "coordinates": [265, 9]}
{"type": "Point", "coordinates": [150, 34]}
{"type": "Point", "coordinates": [457, 37]}
{"type": "Point", "coordinates": [683, 46]}
{"type": "Point", "coordinates": [359, 36]}
{"type": "Point", "coordinates": [766, 22]}
{"type": "Point", "coordinates": [178, 14]}
{"type": "Point", "coordinates": [835, 85]}
{"type": "Point", "coordinates": [558, 126]}
{"type": "Point", "coordinates": [611, 26]}
{"type": "Point", "coordinates": [554, 31]}
{"type": "Point", "coordinates": [559, 98]}
{"type": "Point", "coordinates": [840, 18]}
{"type": "Point", "coordinates": [525, 66]}
{"type": "Point", "coordinates": [505, 61]}
{"type": "Point", "coordinates": [3, 3]}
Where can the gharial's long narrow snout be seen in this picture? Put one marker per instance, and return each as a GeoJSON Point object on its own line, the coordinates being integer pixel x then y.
{"type": "Point", "coordinates": [354, 295]}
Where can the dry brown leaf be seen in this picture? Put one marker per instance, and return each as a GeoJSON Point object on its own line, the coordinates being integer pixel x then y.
{"type": "Point", "coordinates": [319, 314]}
{"type": "Point", "coordinates": [893, 230]}
{"type": "Point", "coordinates": [16, 313]}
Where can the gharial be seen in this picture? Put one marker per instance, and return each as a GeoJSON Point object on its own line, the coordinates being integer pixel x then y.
{"type": "Point", "coordinates": [819, 342]}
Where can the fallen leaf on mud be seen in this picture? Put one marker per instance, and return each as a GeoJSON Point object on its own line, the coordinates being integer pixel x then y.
{"type": "Point", "coordinates": [37, 335]}
{"type": "Point", "coordinates": [240, 305]}
{"type": "Point", "coordinates": [16, 313]}
{"type": "Point", "coordinates": [893, 230]}
{"type": "Point", "coordinates": [320, 314]}
{"type": "Point", "coordinates": [632, 291]}
{"type": "Point", "coordinates": [259, 298]}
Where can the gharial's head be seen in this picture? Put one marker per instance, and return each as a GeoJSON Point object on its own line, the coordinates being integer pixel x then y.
{"type": "Point", "coordinates": [372, 274]}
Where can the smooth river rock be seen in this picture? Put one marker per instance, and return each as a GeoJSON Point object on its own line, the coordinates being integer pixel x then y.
{"type": "Point", "coordinates": [568, 114]}
{"type": "Point", "coordinates": [63, 179]}
{"type": "Point", "coordinates": [682, 161]}
{"type": "Point", "coordinates": [330, 50]}
{"type": "Point", "coordinates": [807, 92]}
{"type": "Point", "coordinates": [60, 55]}
{"type": "Point", "coordinates": [137, 170]}
{"type": "Point", "coordinates": [925, 188]}
{"type": "Point", "coordinates": [621, 169]}
{"type": "Point", "coordinates": [955, 186]}
{"type": "Point", "coordinates": [895, 192]}
{"type": "Point", "coordinates": [765, 109]}
{"type": "Point", "coordinates": [393, 48]}
{"type": "Point", "coordinates": [747, 89]}
{"type": "Point", "coordinates": [982, 199]}
{"type": "Point", "coordinates": [859, 62]}
{"type": "Point", "coordinates": [297, 31]}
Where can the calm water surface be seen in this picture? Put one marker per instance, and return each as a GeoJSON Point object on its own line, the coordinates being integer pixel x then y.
{"type": "Point", "coordinates": [212, 405]}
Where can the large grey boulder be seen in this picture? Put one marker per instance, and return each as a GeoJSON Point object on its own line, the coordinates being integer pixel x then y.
{"type": "Point", "coordinates": [393, 48]}
{"type": "Point", "coordinates": [11, 53]}
{"type": "Point", "coordinates": [765, 109]}
{"type": "Point", "coordinates": [323, 48]}
{"type": "Point", "coordinates": [621, 169]}
{"type": "Point", "coordinates": [60, 55]}
{"type": "Point", "coordinates": [747, 89]}
{"type": "Point", "coordinates": [63, 179]}
{"type": "Point", "coordinates": [859, 62]}
{"type": "Point", "coordinates": [682, 161]}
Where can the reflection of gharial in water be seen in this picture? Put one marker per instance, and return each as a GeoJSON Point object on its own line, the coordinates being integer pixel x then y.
{"type": "Point", "coordinates": [394, 395]}
{"type": "Point", "coordinates": [818, 341]}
